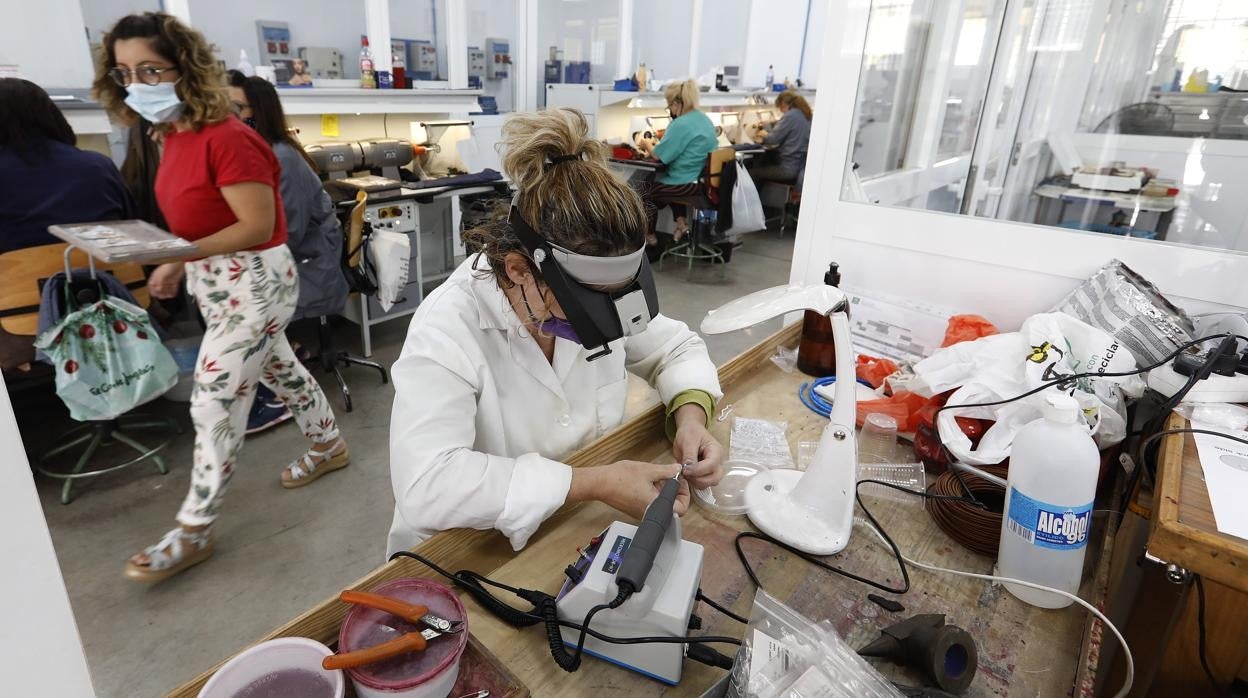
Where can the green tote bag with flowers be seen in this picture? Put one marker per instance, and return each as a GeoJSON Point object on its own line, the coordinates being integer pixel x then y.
{"type": "Point", "coordinates": [108, 359]}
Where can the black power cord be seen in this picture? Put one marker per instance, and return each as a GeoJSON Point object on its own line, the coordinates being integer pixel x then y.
{"type": "Point", "coordinates": [901, 563]}
{"type": "Point", "coordinates": [1108, 374]}
{"type": "Point", "coordinates": [1200, 626]}
{"type": "Point", "coordinates": [544, 611]}
{"type": "Point", "coordinates": [722, 609]}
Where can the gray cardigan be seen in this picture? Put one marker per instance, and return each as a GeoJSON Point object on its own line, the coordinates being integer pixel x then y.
{"type": "Point", "coordinates": [313, 236]}
{"type": "Point", "coordinates": [791, 136]}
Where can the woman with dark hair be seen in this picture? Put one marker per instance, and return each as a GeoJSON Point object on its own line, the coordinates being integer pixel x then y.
{"type": "Point", "coordinates": [217, 185]}
{"type": "Point", "coordinates": [312, 231]}
{"type": "Point", "coordinates": [46, 180]}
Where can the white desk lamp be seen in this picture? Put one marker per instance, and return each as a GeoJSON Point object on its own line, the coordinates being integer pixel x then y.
{"type": "Point", "coordinates": [812, 511]}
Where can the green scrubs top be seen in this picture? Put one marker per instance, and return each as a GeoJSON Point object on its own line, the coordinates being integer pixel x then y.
{"type": "Point", "coordinates": [688, 141]}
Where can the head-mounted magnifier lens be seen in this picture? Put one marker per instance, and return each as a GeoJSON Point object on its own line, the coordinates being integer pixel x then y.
{"type": "Point", "coordinates": [604, 298]}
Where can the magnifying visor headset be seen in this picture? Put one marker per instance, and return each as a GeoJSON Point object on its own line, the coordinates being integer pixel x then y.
{"type": "Point", "coordinates": [604, 298]}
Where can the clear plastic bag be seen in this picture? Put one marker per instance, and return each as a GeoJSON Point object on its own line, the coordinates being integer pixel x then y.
{"type": "Point", "coordinates": [1217, 414]}
{"type": "Point", "coordinates": [785, 655]}
{"type": "Point", "coordinates": [785, 358]}
{"type": "Point", "coordinates": [760, 441]}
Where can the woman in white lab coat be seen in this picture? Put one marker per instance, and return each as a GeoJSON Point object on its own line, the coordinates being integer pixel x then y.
{"type": "Point", "coordinates": [493, 386]}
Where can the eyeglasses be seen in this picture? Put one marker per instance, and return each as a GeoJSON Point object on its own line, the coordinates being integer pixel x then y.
{"type": "Point", "coordinates": [147, 74]}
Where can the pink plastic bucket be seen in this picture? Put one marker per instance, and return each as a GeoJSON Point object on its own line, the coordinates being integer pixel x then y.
{"type": "Point", "coordinates": [428, 674]}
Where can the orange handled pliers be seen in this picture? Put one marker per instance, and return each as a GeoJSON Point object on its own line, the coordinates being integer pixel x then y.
{"type": "Point", "coordinates": [409, 642]}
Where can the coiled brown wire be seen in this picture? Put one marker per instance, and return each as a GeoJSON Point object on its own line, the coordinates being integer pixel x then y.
{"type": "Point", "coordinates": [979, 530]}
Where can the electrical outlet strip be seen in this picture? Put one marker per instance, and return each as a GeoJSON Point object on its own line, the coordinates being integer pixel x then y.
{"type": "Point", "coordinates": [1215, 388]}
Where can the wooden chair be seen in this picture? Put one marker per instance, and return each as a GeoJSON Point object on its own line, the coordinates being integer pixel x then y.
{"type": "Point", "coordinates": [22, 275]}
{"type": "Point", "coordinates": [693, 248]}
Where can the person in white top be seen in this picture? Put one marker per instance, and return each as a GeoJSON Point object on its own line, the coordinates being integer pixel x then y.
{"type": "Point", "coordinates": [503, 372]}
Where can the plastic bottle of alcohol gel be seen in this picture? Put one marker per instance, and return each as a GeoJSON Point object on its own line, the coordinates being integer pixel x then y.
{"type": "Point", "coordinates": [770, 77]}
{"type": "Point", "coordinates": [1054, 465]}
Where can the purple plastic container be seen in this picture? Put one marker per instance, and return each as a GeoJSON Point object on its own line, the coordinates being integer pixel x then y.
{"type": "Point", "coordinates": [429, 673]}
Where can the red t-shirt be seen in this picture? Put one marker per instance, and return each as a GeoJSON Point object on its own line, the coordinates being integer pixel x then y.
{"type": "Point", "coordinates": [196, 164]}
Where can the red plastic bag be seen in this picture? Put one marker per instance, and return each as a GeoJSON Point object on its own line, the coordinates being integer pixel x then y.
{"type": "Point", "coordinates": [903, 407]}
{"type": "Point", "coordinates": [874, 369]}
{"type": "Point", "coordinates": [964, 328]}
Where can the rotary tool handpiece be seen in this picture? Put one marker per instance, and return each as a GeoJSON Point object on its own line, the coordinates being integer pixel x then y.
{"type": "Point", "coordinates": [640, 556]}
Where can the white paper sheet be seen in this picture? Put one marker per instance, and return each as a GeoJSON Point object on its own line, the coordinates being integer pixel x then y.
{"type": "Point", "coordinates": [1225, 464]}
{"type": "Point", "coordinates": [895, 328]}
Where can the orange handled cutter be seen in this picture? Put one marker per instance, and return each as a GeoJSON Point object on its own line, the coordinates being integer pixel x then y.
{"type": "Point", "coordinates": [410, 642]}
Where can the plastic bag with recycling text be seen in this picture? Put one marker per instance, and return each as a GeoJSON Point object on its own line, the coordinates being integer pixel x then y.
{"type": "Point", "coordinates": [1048, 347]}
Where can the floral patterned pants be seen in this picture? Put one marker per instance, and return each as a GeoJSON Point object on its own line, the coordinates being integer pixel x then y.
{"type": "Point", "coordinates": [246, 299]}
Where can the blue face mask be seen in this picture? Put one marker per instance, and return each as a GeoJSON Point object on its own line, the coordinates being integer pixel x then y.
{"type": "Point", "coordinates": [157, 103]}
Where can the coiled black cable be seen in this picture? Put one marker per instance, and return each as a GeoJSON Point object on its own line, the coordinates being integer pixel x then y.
{"type": "Point", "coordinates": [546, 611]}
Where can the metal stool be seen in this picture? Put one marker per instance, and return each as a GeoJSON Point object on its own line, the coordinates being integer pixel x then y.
{"type": "Point", "coordinates": [693, 248]}
{"type": "Point", "coordinates": [331, 359]}
{"type": "Point", "coordinates": [105, 433]}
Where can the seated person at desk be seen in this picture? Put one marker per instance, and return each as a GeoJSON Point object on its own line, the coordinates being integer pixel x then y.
{"type": "Point", "coordinates": [312, 230]}
{"type": "Point", "coordinates": [45, 178]}
{"type": "Point", "coordinates": [493, 386]}
{"type": "Point", "coordinates": [688, 141]}
{"type": "Point", "coordinates": [790, 138]}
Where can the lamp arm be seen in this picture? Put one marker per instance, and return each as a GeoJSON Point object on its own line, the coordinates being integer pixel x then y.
{"type": "Point", "coordinates": [845, 402]}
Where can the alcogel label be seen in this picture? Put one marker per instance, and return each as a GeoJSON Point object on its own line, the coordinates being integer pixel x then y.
{"type": "Point", "coordinates": [1049, 525]}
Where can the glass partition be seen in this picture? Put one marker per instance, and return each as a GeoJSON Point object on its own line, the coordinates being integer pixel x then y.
{"type": "Point", "coordinates": [1115, 118]}
{"type": "Point", "coordinates": [577, 41]}
{"type": "Point", "coordinates": [491, 48]}
{"type": "Point", "coordinates": [324, 33]}
{"type": "Point", "coordinates": [418, 36]}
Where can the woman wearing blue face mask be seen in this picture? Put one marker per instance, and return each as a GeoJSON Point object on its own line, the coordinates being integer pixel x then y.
{"type": "Point", "coordinates": [494, 387]}
{"type": "Point", "coordinates": [217, 185]}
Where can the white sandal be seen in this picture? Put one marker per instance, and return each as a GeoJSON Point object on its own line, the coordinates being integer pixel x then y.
{"type": "Point", "coordinates": [178, 550]}
{"type": "Point", "coordinates": [305, 469]}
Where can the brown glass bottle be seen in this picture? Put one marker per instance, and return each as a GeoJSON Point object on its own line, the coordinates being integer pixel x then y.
{"type": "Point", "coordinates": [816, 354]}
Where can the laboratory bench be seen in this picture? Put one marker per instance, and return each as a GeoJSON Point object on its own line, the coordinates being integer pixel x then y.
{"type": "Point", "coordinates": [1023, 650]}
{"type": "Point", "coordinates": [1061, 196]}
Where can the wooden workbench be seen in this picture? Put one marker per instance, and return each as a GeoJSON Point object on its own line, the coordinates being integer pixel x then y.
{"type": "Point", "coordinates": [1022, 650]}
{"type": "Point", "coordinates": [1183, 530]}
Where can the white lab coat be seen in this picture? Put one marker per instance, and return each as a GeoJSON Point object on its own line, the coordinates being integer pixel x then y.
{"type": "Point", "coordinates": [481, 418]}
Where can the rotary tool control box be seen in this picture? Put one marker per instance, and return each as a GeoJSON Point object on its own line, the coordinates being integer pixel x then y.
{"type": "Point", "coordinates": [662, 607]}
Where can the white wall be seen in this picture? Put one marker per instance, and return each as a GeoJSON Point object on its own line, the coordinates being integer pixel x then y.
{"type": "Point", "coordinates": [725, 24]}
{"type": "Point", "coordinates": [815, 30]}
{"type": "Point", "coordinates": [662, 35]}
{"type": "Point", "coordinates": [100, 15]}
{"type": "Point", "coordinates": [42, 654]}
{"type": "Point", "coordinates": [231, 25]}
{"type": "Point", "coordinates": [775, 38]}
{"type": "Point", "coordinates": [52, 53]}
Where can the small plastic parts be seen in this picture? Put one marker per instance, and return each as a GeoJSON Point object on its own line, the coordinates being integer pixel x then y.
{"type": "Point", "coordinates": [966, 328]}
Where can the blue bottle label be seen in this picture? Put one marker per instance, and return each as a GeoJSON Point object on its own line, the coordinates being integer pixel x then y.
{"type": "Point", "coordinates": [1049, 525]}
